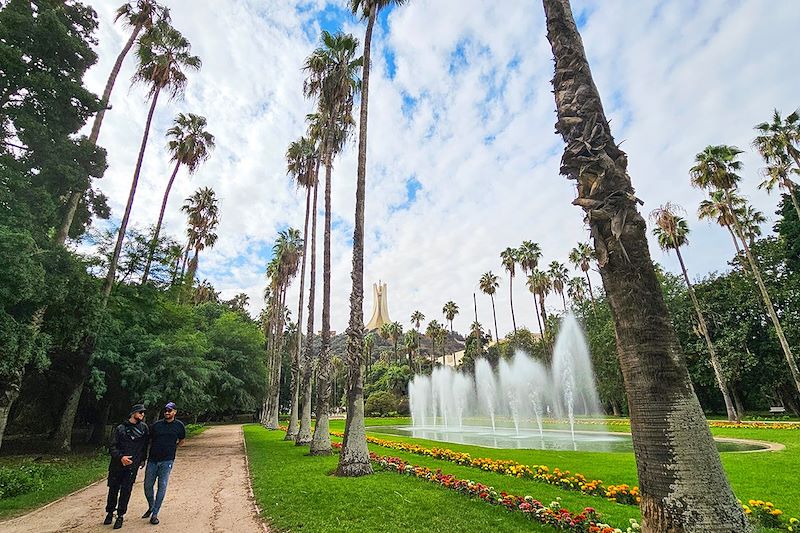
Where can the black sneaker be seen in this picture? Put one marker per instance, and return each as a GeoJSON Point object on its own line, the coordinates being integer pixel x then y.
{"type": "Point", "coordinates": [109, 519]}
{"type": "Point", "coordinates": [154, 520]}
{"type": "Point", "coordinates": [147, 514]}
{"type": "Point", "coordinates": [118, 523]}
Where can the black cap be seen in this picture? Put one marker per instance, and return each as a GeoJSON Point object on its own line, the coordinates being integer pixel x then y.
{"type": "Point", "coordinates": [137, 408]}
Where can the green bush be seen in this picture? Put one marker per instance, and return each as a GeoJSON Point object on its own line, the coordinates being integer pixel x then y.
{"type": "Point", "coordinates": [194, 429]}
{"type": "Point", "coordinates": [24, 478]}
{"type": "Point", "coordinates": [380, 403]}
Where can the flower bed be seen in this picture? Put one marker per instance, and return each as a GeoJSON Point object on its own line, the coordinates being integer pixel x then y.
{"type": "Point", "coordinates": [723, 424]}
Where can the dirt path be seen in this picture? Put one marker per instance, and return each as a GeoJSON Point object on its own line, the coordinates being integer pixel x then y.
{"type": "Point", "coordinates": [208, 491]}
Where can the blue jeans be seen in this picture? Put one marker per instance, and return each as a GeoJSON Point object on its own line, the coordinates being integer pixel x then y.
{"type": "Point", "coordinates": [161, 471]}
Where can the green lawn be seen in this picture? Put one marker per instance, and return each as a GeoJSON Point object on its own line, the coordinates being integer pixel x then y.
{"type": "Point", "coordinates": [285, 481]}
{"type": "Point", "coordinates": [70, 473]}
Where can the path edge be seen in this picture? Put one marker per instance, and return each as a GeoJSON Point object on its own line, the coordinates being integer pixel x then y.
{"type": "Point", "coordinates": [250, 492]}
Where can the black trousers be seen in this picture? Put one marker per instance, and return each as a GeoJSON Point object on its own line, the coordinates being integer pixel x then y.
{"type": "Point", "coordinates": [120, 485]}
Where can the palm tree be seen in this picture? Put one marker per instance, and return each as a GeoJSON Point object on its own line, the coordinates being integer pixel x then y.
{"type": "Point", "coordinates": [751, 220]}
{"type": "Point", "coordinates": [716, 167]}
{"type": "Point", "coordinates": [509, 258]}
{"type": "Point", "coordinates": [672, 232]}
{"type": "Point", "coordinates": [411, 341]}
{"type": "Point", "coordinates": [539, 283]}
{"type": "Point", "coordinates": [203, 212]}
{"type": "Point", "coordinates": [417, 318]}
{"type": "Point", "coordinates": [450, 311]}
{"type": "Point", "coordinates": [671, 438]}
{"type": "Point", "coordinates": [559, 275]}
{"type": "Point", "coordinates": [301, 158]}
{"type": "Point", "coordinates": [432, 332]}
{"type": "Point", "coordinates": [576, 289]}
{"type": "Point", "coordinates": [581, 257]}
{"type": "Point", "coordinates": [332, 79]}
{"type": "Point", "coordinates": [369, 344]}
{"type": "Point", "coordinates": [190, 145]}
{"type": "Point", "coordinates": [164, 53]}
{"type": "Point", "coordinates": [778, 142]}
{"type": "Point", "coordinates": [354, 457]}
{"type": "Point", "coordinates": [529, 255]}
{"type": "Point", "coordinates": [488, 285]}
{"type": "Point", "coordinates": [720, 208]}
{"type": "Point", "coordinates": [143, 16]}
{"type": "Point", "coordinates": [285, 263]}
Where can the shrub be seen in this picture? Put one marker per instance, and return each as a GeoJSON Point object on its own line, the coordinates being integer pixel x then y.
{"type": "Point", "coordinates": [380, 403]}
{"type": "Point", "coordinates": [24, 478]}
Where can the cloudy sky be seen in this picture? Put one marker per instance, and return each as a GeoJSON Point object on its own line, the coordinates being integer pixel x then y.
{"type": "Point", "coordinates": [462, 159]}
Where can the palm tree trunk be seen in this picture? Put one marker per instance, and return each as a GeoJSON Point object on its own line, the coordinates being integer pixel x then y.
{"type": "Point", "coordinates": [511, 301]}
{"type": "Point", "coordinates": [787, 351]}
{"type": "Point", "coordinates": [154, 242]}
{"type": "Point", "coordinates": [193, 262]}
{"type": "Point", "coordinates": [304, 431]}
{"type": "Point", "coordinates": [75, 196]}
{"type": "Point", "coordinates": [538, 318]}
{"type": "Point", "coordinates": [715, 363]}
{"type": "Point", "coordinates": [591, 293]}
{"type": "Point", "coordinates": [563, 300]}
{"type": "Point", "coordinates": [494, 314]}
{"type": "Point", "coordinates": [544, 313]}
{"type": "Point", "coordinates": [291, 433]}
{"type": "Point", "coordinates": [275, 401]}
{"type": "Point", "coordinates": [112, 267]}
{"type": "Point", "coordinates": [790, 186]}
{"type": "Point", "coordinates": [683, 485]}
{"type": "Point", "coordinates": [321, 441]}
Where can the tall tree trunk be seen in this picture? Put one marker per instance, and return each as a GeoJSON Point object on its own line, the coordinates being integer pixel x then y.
{"type": "Point", "coordinates": [321, 441]}
{"type": "Point", "coordinates": [737, 402]}
{"type": "Point", "coordinates": [9, 392]}
{"type": "Point", "coordinates": [787, 351]}
{"type": "Point", "coordinates": [563, 300]}
{"type": "Point", "coordinates": [193, 264]}
{"type": "Point", "coordinates": [591, 292]}
{"type": "Point", "coordinates": [683, 485]}
{"type": "Point", "coordinates": [304, 431]}
{"type": "Point", "coordinates": [544, 313]}
{"type": "Point", "coordinates": [511, 301]}
{"type": "Point", "coordinates": [62, 438]}
{"type": "Point", "coordinates": [112, 267]}
{"type": "Point", "coordinates": [494, 314]}
{"type": "Point", "coordinates": [75, 196]}
{"type": "Point", "coordinates": [722, 383]}
{"type": "Point", "coordinates": [154, 242]}
{"type": "Point", "coordinates": [538, 317]}
{"type": "Point", "coordinates": [291, 433]}
{"type": "Point", "coordinates": [790, 186]}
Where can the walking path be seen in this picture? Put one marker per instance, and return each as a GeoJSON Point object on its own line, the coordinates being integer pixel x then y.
{"type": "Point", "coordinates": [208, 491]}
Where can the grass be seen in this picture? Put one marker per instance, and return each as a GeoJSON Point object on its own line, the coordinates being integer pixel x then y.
{"type": "Point", "coordinates": [71, 472]}
{"type": "Point", "coordinates": [285, 481]}
{"type": "Point", "coordinates": [297, 492]}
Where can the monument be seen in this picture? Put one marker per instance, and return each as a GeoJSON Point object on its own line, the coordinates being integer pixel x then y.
{"type": "Point", "coordinates": [380, 309]}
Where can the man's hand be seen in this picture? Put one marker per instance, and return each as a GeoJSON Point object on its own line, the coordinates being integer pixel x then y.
{"type": "Point", "coordinates": [126, 460]}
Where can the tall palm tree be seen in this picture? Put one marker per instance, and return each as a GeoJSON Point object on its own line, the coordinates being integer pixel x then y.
{"type": "Point", "coordinates": [417, 318]}
{"type": "Point", "coordinates": [411, 341]}
{"type": "Point", "coordinates": [190, 144]}
{"type": "Point", "coordinates": [143, 15]}
{"type": "Point", "coordinates": [354, 457]}
{"type": "Point", "coordinates": [203, 212]}
{"type": "Point", "coordinates": [369, 344]}
{"type": "Point", "coordinates": [164, 53]}
{"type": "Point", "coordinates": [529, 255]}
{"type": "Point", "coordinates": [333, 70]}
{"type": "Point", "coordinates": [672, 232]}
{"type": "Point", "coordinates": [284, 266]}
{"type": "Point", "coordinates": [450, 310]}
{"type": "Point", "coordinates": [301, 158]}
{"type": "Point", "coordinates": [581, 257]}
{"type": "Point", "coordinates": [509, 258]}
{"type": "Point", "coordinates": [395, 334]}
{"type": "Point", "coordinates": [751, 219]}
{"type": "Point", "coordinates": [576, 289]}
{"type": "Point", "coordinates": [488, 285]}
{"type": "Point", "coordinates": [716, 167]}
{"type": "Point", "coordinates": [432, 332]}
{"type": "Point", "coordinates": [559, 275]}
{"type": "Point", "coordinates": [720, 208]}
{"type": "Point", "coordinates": [778, 142]}
{"type": "Point", "coordinates": [539, 283]}
{"type": "Point", "coordinates": [671, 438]}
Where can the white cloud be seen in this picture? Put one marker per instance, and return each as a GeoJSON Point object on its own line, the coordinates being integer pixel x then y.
{"type": "Point", "coordinates": [675, 76]}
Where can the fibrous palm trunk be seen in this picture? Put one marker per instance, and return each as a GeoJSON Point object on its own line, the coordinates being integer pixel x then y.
{"type": "Point", "coordinates": [75, 196]}
{"type": "Point", "coordinates": [494, 314]}
{"type": "Point", "coordinates": [112, 267]}
{"type": "Point", "coordinates": [787, 351]}
{"type": "Point", "coordinates": [683, 485]}
{"type": "Point", "coordinates": [511, 301]}
{"type": "Point", "coordinates": [291, 433]}
{"type": "Point", "coordinates": [321, 440]}
{"type": "Point", "coordinates": [591, 292]}
{"type": "Point", "coordinates": [722, 382]}
{"type": "Point", "coordinates": [154, 242]}
{"type": "Point", "coordinates": [538, 317]}
{"type": "Point", "coordinates": [304, 430]}
{"type": "Point", "coordinates": [790, 186]}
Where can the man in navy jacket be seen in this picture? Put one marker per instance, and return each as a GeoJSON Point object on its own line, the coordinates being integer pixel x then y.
{"type": "Point", "coordinates": [128, 453]}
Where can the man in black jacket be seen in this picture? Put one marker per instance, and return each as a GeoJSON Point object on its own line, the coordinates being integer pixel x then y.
{"type": "Point", "coordinates": [128, 454]}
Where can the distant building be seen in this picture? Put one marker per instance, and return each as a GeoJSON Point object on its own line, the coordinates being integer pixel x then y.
{"type": "Point", "coordinates": [380, 309]}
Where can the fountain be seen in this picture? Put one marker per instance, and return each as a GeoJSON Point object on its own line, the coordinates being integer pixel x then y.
{"type": "Point", "coordinates": [507, 405]}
